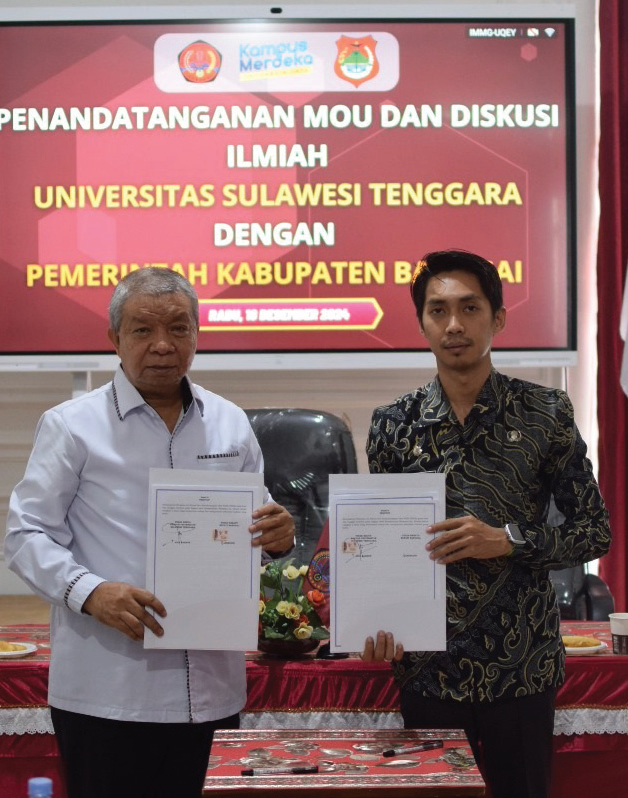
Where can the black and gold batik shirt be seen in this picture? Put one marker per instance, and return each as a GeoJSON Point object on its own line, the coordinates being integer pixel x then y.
{"type": "Point", "coordinates": [518, 448]}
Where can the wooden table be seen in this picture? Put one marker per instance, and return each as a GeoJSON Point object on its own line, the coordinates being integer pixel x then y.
{"type": "Point", "coordinates": [346, 769]}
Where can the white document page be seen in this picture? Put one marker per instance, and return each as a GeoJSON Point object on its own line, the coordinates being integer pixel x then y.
{"type": "Point", "coordinates": [200, 562]}
{"type": "Point", "coordinates": [380, 572]}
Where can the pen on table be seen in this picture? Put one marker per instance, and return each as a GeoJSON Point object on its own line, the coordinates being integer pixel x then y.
{"type": "Point", "coordinates": [273, 771]}
{"type": "Point", "coordinates": [424, 746]}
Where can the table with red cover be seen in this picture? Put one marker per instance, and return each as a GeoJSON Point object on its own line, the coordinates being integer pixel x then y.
{"type": "Point", "coordinates": [591, 730]}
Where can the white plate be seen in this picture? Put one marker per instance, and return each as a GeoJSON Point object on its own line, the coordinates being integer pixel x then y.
{"type": "Point", "coordinates": [22, 652]}
{"type": "Point", "coordinates": [584, 650]}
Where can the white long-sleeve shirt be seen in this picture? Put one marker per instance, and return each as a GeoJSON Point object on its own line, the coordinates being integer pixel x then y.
{"type": "Point", "coordinates": [79, 517]}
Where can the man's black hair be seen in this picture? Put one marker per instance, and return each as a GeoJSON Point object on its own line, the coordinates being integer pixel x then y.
{"type": "Point", "coordinates": [449, 260]}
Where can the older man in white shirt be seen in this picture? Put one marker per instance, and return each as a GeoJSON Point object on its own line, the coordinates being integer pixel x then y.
{"type": "Point", "coordinates": [130, 721]}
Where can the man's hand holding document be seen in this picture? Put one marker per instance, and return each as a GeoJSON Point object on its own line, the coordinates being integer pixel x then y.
{"type": "Point", "coordinates": [381, 575]}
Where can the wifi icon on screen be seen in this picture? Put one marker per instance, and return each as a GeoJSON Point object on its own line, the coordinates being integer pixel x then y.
{"type": "Point", "coordinates": [549, 32]}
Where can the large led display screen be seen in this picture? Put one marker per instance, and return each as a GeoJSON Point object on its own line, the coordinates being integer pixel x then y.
{"type": "Point", "coordinates": [295, 171]}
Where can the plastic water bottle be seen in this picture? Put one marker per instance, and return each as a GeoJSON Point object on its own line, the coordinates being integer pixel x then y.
{"type": "Point", "coordinates": [40, 787]}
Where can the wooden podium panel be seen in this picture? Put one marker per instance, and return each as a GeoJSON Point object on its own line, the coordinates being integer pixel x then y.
{"type": "Point", "coordinates": [351, 764]}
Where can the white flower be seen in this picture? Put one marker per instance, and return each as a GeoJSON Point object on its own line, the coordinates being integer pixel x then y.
{"type": "Point", "coordinates": [303, 631]}
{"type": "Point", "coordinates": [291, 572]}
{"type": "Point", "coordinates": [304, 569]}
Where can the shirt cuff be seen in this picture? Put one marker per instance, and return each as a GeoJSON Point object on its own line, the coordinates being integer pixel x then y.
{"type": "Point", "coordinates": [79, 589]}
{"type": "Point", "coordinates": [268, 556]}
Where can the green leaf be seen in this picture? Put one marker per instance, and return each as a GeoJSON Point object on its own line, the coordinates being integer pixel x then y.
{"type": "Point", "coordinates": [315, 618]}
{"type": "Point", "coordinates": [273, 581]}
{"type": "Point", "coordinates": [272, 634]}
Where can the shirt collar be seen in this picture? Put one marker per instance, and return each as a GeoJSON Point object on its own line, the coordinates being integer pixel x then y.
{"type": "Point", "coordinates": [128, 398]}
{"type": "Point", "coordinates": [436, 406]}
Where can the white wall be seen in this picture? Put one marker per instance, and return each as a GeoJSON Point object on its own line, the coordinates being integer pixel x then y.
{"type": "Point", "coordinates": [350, 394]}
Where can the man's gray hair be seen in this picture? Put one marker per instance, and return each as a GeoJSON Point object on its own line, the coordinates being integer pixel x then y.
{"type": "Point", "coordinates": [153, 281]}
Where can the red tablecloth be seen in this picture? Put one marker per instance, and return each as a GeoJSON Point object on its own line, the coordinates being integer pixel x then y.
{"type": "Point", "coordinates": [24, 680]}
{"type": "Point", "coordinates": [594, 682]}
{"type": "Point", "coordinates": [315, 684]}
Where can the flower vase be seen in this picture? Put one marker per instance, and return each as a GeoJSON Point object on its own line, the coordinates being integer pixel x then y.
{"type": "Point", "coordinates": [286, 649]}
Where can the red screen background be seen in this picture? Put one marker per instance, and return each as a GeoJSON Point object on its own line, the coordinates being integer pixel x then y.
{"type": "Point", "coordinates": [112, 65]}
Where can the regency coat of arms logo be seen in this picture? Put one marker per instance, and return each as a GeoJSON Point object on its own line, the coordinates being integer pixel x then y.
{"type": "Point", "coordinates": [356, 60]}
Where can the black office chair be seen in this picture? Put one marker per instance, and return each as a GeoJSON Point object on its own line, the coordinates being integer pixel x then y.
{"type": "Point", "coordinates": [581, 596]}
{"type": "Point", "coordinates": [301, 449]}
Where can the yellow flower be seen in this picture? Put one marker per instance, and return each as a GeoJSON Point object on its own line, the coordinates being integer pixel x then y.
{"type": "Point", "coordinates": [262, 569]}
{"type": "Point", "coordinates": [303, 569]}
{"type": "Point", "coordinates": [292, 611]}
{"type": "Point", "coordinates": [282, 608]}
{"type": "Point", "coordinates": [262, 607]}
{"type": "Point", "coordinates": [303, 631]}
{"type": "Point", "coordinates": [291, 572]}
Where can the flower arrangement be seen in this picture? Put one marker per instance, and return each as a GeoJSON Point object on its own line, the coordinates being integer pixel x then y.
{"type": "Point", "coordinates": [285, 613]}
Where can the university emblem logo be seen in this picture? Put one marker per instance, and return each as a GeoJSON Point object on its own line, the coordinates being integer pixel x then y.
{"type": "Point", "coordinates": [200, 62]}
{"type": "Point", "coordinates": [356, 60]}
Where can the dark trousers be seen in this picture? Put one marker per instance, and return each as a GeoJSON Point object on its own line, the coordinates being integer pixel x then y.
{"type": "Point", "coordinates": [126, 759]}
{"type": "Point", "coordinates": [512, 740]}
